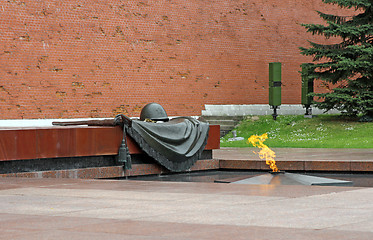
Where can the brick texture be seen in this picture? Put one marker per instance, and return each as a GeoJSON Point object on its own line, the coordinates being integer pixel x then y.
{"type": "Point", "coordinates": [97, 58]}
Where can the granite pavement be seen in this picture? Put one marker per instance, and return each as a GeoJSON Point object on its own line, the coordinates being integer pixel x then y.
{"type": "Point", "coordinates": [120, 209]}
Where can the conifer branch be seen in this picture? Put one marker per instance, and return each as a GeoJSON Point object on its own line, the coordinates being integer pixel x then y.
{"type": "Point", "coordinates": [348, 65]}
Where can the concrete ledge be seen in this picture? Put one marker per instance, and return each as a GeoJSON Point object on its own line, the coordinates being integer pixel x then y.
{"type": "Point", "coordinates": [332, 166]}
{"type": "Point", "coordinates": [258, 109]}
{"type": "Point", "coordinates": [111, 171]}
{"type": "Point", "coordinates": [84, 173]}
{"type": "Point", "coordinates": [299, 159]}
{"type": "Point", "coordinates": [288, 159]}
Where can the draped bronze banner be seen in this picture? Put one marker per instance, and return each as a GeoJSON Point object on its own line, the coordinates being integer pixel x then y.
{"type": "Point", "coordinates": [176, 144]}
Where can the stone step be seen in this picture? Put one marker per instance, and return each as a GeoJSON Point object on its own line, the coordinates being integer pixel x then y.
{"type": "Point", "coordinates": [234, 118]}
{"type": "Point", "coordinates": [227, 123]}
{"type": "Point", "coordinates": [226, 127]}
{"type": "Point", "coordinates": [223, 122]}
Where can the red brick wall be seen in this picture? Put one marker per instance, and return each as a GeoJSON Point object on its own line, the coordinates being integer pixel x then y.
{"type": "Point", "coordinates": [97, 58]}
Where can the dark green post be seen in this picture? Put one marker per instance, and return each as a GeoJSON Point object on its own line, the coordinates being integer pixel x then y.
{"type": "Point", "coordinates": [274, 87]}
{"type": "Point", "coordinates": [307, 88]}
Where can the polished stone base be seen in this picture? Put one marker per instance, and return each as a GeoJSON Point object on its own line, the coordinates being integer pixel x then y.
{"type": "Point", "coordinates": [112, 171]}
{"type": "Point", "coordinates": [72, 209]}
{"type": "Point", "coordinates": [285, 178]}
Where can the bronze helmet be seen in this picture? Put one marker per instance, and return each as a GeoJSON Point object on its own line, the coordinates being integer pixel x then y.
{"type": "Point", "coordinates": [153, 111]}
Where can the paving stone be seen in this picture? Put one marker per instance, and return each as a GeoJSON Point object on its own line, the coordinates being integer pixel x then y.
{"type": "Point", "coordinates": [111, 209]}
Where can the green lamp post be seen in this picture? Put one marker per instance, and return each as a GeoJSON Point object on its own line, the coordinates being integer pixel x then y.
{"type": "Point", "coordinates": [274, 87]}
{"type": "Point", "coordinates": [307, 88]}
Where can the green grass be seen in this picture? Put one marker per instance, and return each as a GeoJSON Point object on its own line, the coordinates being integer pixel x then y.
{"type": "Point", "coordinates": [323, 131]}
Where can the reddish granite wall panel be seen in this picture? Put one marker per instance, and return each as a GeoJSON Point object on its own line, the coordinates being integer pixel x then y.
{"type": "Point", "coordinates": [93, 58]}
{"type": "Point", "coordinates": [28, 143]}
{"type": "Point", "coordinates": [54, 142]}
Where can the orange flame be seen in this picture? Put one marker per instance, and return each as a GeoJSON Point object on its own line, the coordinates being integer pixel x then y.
{"type": "Point", "coordinates": [265, 152]}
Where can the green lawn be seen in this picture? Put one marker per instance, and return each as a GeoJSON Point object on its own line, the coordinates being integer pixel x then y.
{"type": "Point", "coordinates": [323, 131]}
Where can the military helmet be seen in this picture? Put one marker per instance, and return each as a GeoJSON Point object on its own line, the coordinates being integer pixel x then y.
{"type": "Point", "coordinates": [153, 111]}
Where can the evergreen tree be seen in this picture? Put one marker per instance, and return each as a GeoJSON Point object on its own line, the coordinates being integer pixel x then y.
{"type": "Point", "coordinates": [348, 65]}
